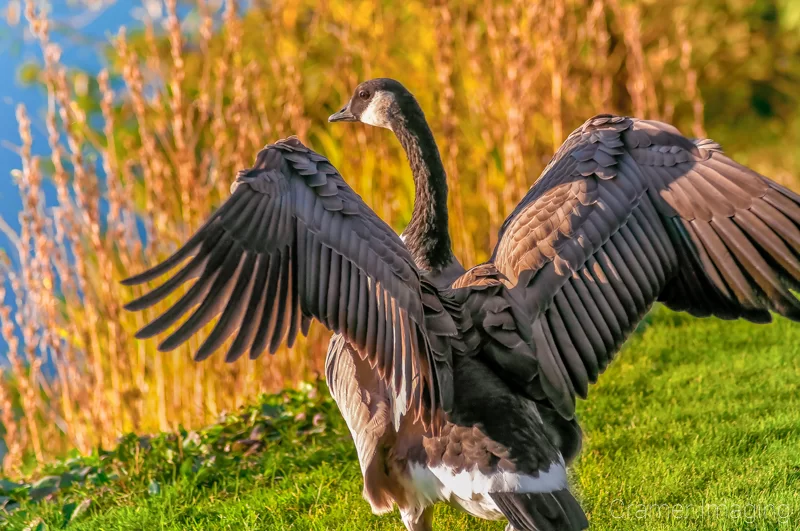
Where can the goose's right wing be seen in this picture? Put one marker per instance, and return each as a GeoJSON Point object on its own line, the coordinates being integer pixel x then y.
{"type": "Point", "coordinates": [291, 243]}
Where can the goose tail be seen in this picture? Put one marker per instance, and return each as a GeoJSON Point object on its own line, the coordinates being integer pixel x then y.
{"type": "Point", "coordinates": [541, 511]}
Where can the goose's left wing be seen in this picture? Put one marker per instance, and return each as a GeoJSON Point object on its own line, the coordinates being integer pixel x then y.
{"type": "Point", "coordinates": [629, 212]}
{"type": "Point", "coordinates": [293, 242]}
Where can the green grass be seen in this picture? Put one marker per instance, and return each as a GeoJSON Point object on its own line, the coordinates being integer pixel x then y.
{"type": "Point", "coordinates": [696, 425]}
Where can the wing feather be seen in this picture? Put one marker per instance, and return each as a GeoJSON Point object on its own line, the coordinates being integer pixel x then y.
{"type": "Point", "coordinates": [232, 314]}
{"type": "Point", "coordinates": [294, 242]}
{"type": "Point", "coordinates": [579, 333]}
{"type": "Point", "coordinates": [629, 212]}
{"type": "Point", "coordinates": [574, 367]}
{"type": "Point", "coordinates": [255, 310]}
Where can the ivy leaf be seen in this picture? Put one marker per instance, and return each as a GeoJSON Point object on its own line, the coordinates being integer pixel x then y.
{"type": "Point", "coordinates": [44, 487]}
{"type": "Point", "coordinates": [42, 492]}
{"type": "Point", "coordinates": [71, 511]}
{"type": "Point", "coordinates": [7, 486]}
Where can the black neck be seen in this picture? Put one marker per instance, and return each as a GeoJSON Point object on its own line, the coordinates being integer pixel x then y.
{"type": "Point", "coordinates": [427, 236]}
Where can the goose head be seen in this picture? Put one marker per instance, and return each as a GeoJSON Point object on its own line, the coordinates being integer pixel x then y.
{"type": "Point", "coordinates": [379, 102]}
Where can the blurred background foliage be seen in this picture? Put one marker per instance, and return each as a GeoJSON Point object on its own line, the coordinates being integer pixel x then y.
{"type": "Point", "coordinates": [142, 151]}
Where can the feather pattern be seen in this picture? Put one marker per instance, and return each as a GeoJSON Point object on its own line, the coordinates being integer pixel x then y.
{"type": "Point", "coordinates": [629, 212]}
{"type": "Point", "coordinates": [295, 242]}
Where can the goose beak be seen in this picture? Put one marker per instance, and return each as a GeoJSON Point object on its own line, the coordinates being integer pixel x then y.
{"type": "Point", "coordinates": [343, 115]}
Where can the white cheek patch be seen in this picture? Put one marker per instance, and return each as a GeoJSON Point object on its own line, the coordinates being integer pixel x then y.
{"type": "Point", "coordinates": [377, 111]}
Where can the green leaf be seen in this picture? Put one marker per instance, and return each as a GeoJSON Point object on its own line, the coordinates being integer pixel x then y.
{"type": "Point", "coordinates": [271, 411]}
{"type": "Point", "coordinates": [83, 472]}
{"type": "Point", "coordinates": [67, 479]}
{"type": "Point", "coordinates": [202, 475]}
{"type": "Point", "coordinates": [44, 487]}
{"type": "Point", "coordinates": [42, 492]}
{"type": "Point", "coordinates": [67, 509]}
{"type": "Point", "coordinates": [47, 481]}
{"type": "Point", "coordinates": [187, 468]}
{"type": "Point", "coordinates": [7, 486]}
{"type": "Point", "coordinates": [71, 511]}
{"type": "Point", "coordinates": [100, 478]}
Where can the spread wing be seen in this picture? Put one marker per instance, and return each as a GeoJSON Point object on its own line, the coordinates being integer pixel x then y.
{"type": "Point", "coordinates": [293, 242]}
{"type": "Point", "coordinates": [630, 212]}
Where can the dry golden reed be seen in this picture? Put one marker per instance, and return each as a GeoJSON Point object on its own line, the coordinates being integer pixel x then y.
{"type": "Point", "coordinates": [503, 83]}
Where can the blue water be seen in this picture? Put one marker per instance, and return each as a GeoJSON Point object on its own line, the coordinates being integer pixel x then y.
{"type": "Point", "coordinates": [83, 35]}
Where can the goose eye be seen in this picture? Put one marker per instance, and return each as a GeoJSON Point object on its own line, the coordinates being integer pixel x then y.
{"type": "Point", "coordinates": [363, 94]}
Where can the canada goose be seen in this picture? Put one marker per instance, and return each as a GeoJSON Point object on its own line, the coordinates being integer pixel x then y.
{"type": "Point", "coordinates": [459, 386]}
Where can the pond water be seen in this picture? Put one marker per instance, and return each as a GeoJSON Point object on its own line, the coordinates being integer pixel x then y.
{"type": "Point", "coordinates": [83, 30]}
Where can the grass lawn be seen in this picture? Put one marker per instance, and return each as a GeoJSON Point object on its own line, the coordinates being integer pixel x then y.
{"type": "Point", "coordinates": [695, 426]}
